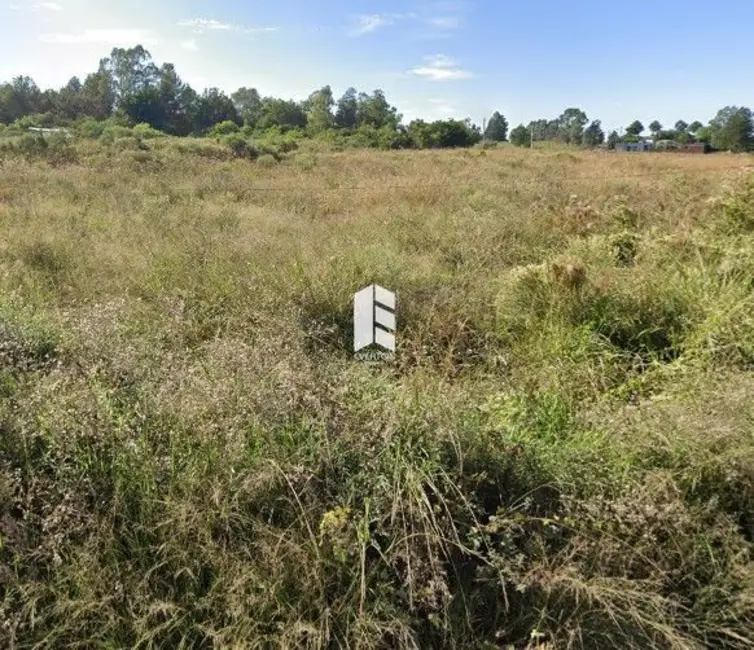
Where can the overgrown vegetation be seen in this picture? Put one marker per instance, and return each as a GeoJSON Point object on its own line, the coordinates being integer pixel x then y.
{"type": "Point", "coordinates": [561, 455]}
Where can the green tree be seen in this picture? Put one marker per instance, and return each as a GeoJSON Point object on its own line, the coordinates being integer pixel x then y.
{"type": "Point", "coordinates": [319, 115]}
{"type": "Point", "coordinates": [593, 134]}
{"type": "Point", "coordinates": [654, 128]}
{"type": "Point", "coordinates": [98, 95]}
{"type": "Point", "coordinates": [70, 104]}
{"type": "Point", "coordinates": [571, 125]}
{"type": "Point", "coordinates": [695, 126]}
{"type": "Point", "coordinates": [732, 129]}
{"type": "Point", "coordinates": [497, 128]}
{"type": "Point", "coordinates": [681, 126]}
{"type": "Point", "coordinates": [635, 128]}
{"type": "Point", "coordinates": [521, 136]}
{"type": "Point", "coordinates": [248, 104]}
{"type": "Point", "coordinates": [612, 140]}
{"type": "Point", "coordinates": [213, 106]}
{"type": "Point", "coordinates": [375, 110]}
{"type": "Point", "coordinates": [130, 71]}
{"type": "Point", "coordinates": [287, 114]}
{"type": "Point", "coordinates": [347, 110]}
{"type": "Point", "coordinates": [177, 102]}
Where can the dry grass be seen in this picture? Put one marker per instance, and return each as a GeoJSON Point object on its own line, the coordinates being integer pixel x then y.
{"type": "Point", "coordinates": [561, 456]}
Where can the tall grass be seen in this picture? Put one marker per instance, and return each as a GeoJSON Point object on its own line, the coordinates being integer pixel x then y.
{"type": "Point", "coordinates": [560, 457]}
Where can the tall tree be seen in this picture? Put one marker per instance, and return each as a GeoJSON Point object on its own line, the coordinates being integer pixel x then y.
{"type": "Point", "coordinates": [177, 101]}
{"type": "Point", "coordinates": [70, 101]}
{"type": "Point", "coordinates": [695, 126]}
{"type": "Point", "coordinates": [347, 110]}
{"type": "Point", "coordinates": [613, 139]}
{"type": "Point", "coordinates": [287, 114]}
{"type": "Point", "coordinates": [655, 127]}
{"type": "Point", "coordinates": [681, 126]}
{"type": "Point", "coordinates": [319, 105]}
{"type": "Point", "coordinates": [593, 135]}
{"type": "Point", "coordinates": [571, 125]}
{"type": "Point", "coordinates": [248, 103]}
{"type": "Point", "coordinates": [98, 94]}
{"type": "Point", "coordinates": [635, 128]}
{"type": "Point", "coordinates": [130, 70]}
{"type": "Point", "coordinates": [214, 106]}
{"type": "Point", "coordinates": [497, 128]}
{"type": "Point", "coordinates": [374, 110]}
{"type": "Point", "coordinates": [732, 129]}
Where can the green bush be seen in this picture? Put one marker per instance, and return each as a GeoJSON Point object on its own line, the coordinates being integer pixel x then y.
{"type": "Point", "coordinates": [267, 160]}
{"type": "Point", "coordinates": [147, 132]}
{"type": "Point", "coordinates": [223, 128]}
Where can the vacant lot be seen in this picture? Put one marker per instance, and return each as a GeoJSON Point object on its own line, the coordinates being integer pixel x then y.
{"type": "Point", "coordinates": [562, 455]}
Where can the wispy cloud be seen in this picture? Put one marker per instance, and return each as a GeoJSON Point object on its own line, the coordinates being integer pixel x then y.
{"type": "Point", "coordinates": [117, 37]}
{"type": "Point", "coordinates": [201, 25]}
{"type": "Point", "coordinates": [441, 68]}
{"type": "Point", "coordinates": [366, 23]}
{"type": "Point", "coordinates": [444, 22]}
{"type": "Point", "coordinates": [37, 6]}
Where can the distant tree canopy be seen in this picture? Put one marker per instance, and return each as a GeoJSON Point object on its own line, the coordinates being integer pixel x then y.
{"type": "Point", "coordinates": [130, 88]}
{"type": "Point", "coordinates": [497, 128]}
{"type": "Point", "coordinates": [635, 128]}
{"type": "Point", "coordinates": [521, 136]}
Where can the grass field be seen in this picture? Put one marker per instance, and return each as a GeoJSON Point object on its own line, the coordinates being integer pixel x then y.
{"type": "Point", "coordinates": [561, 456]}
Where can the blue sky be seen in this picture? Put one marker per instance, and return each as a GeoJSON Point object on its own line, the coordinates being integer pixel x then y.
{"type": "Point", "coordinates": [618, 61]}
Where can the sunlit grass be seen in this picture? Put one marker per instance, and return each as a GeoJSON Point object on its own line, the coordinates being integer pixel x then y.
{"type": "Point", "coordinates": [560, 457]}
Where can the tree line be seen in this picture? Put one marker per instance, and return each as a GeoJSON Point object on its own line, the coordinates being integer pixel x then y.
{"type": "Point", "coordinates": [128, 86]}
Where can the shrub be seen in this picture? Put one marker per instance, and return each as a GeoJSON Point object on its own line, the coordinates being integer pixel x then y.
{"type": "Point", "coordinates": [223, 128]}
{"type": "Point", "coordinates": [147, 132]}
{"type": "Point", "coordinates": [240, 147]}
{"type": "Point", "coordinates": [267, 160]}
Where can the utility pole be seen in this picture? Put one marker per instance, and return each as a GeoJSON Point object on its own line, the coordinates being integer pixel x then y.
{"type": "Point", "coordinates": [531, 135]}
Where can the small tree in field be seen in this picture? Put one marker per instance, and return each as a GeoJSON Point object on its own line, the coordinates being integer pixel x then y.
{"type": "Point", "coordinates": [497, 128]}
{"type": "Point", "coordinates": [521, 136]}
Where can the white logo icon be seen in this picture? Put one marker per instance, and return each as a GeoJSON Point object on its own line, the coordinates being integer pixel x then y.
{"type": "Point", "coordinates": [374, 318]}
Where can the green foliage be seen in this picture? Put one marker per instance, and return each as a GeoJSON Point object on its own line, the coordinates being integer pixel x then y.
{"type": "Point", "coordinates": [521, 136]}
{"type": "Point", "coordinates": [732, 129]}
{"type": "Point", "coordinates": [146, 132]}
{"type": "Point", "coordinates": [240, 147]}
{"type": "Point", "coordinates": [442, 133]}
{"type": "Point", "coordinates": [635, 128]}
{"type": "Point", "coordinates": [223, 128]}
{"type": "Point", "coordinates": [593, 135]}
{"type": "Point", "coordinates": [267, 160]}
{"type": "Point", "coordinates": [497, 128]}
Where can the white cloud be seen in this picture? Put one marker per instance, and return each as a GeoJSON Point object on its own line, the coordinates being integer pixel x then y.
{"type": "Point", "coordinates": [37, 6]}
{"type": "Point", "coordinates": [190, 45]}
{"type": "Point", "coordinates": [367, 23]}
{"type": "Point", "coordinates": [445, 22]}
{"type": "Point", "coordinates": [116, 37]}
{"type": "Point", "coordinates": [200, 25]}
{"type": "Point", "coordinates": [441, 68]}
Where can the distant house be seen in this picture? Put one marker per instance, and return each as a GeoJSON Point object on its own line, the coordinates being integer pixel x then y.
{"type": "Point", "coordinates": [643, 145]}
